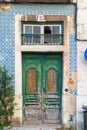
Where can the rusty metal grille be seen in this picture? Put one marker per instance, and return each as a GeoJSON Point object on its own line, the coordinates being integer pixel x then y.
{"type": "Point", "coordinates": [42, 39]}
{"type": "Point", "coordinates": [42, 33]}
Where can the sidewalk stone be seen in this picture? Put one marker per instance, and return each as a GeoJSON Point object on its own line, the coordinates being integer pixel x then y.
{"type": "Point", "coordinates": [30, 128]}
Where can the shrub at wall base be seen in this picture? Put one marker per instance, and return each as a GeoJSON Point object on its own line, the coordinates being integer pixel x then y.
{"type": "Point", "coordinates": [6, 98]}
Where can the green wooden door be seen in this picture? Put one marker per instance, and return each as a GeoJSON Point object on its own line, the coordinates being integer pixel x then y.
{"type": "Point", "coordinates": [42, 88]}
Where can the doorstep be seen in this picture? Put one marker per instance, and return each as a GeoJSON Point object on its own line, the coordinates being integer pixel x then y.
{"type": "Point", "coordinates": [38, 128]}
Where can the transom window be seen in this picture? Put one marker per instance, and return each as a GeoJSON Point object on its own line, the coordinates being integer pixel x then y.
{"type": "Point", "coordinates": [42, 33]}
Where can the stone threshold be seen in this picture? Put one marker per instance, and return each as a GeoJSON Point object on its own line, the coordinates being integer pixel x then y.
{"type": "Point", "coordinates": [39, 128]}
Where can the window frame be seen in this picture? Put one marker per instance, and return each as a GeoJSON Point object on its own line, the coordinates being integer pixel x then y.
{"type": "Point", "coordinates": [60, 24]}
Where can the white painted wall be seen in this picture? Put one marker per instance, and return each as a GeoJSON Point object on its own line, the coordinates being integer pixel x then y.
{"type": "Point", "coordinates": [81, 62]}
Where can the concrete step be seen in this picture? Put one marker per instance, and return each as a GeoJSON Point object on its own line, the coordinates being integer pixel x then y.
{"type": "Point", "coordinates": [28, 128]}
{"type": "Point", "coordinates": [36, 128]}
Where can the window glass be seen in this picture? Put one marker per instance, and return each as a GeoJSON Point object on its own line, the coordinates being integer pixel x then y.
{"type": "Point", "coordinates": [42, 34]}
{"type": "Point", "coordinates": [56, 30]}
{"type": "Point", "coordinates": [28, 29]}
{"type": "Point", "coordinates": [36, 30]}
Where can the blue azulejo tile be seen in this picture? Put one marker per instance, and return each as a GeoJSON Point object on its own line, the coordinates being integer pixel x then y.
{"type": "Point", "coordinates": [7, 30]}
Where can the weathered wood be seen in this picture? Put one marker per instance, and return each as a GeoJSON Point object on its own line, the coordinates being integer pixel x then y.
{"type": "Point", "coordinates": [42, 89]}
{"type": "Point", "coordinates": [39, 1]}
{"type": "Point", "coordinates": [32, 80]}
{"type": "Point", "coordinates": [47, 1]}
{"type": "Point", "coordinates": [51, 85]}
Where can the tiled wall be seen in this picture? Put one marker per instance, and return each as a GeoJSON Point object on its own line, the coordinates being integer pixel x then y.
{"type": "Point", "coordinates": [7, 30]}
{"type": "Point", "coordinates": [73, 54]}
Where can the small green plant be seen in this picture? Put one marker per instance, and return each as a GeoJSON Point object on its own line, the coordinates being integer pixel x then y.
{"type": "Point", "coordinates": [6, 98]}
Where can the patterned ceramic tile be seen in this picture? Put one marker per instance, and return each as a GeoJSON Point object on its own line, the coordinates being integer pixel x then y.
{"type": "Point", "coordinates": [7, 29]}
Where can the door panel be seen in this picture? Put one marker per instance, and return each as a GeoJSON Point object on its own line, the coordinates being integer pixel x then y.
{"type": "Point", "coordinates": [51, 100]}
{"type": "Point", "coordinates": [42, 87]}
{"type": "Point", "coordinates": [31, 88]}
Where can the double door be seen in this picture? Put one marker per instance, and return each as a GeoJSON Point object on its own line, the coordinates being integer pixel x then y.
{"type": "Point", "coordinates": [42, 88]}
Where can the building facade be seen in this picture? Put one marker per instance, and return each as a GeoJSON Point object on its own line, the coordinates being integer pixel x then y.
{"type": "Point", "coordinates": [42, 45]}
{"type": "Point", "coordinates": [81, 62]}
